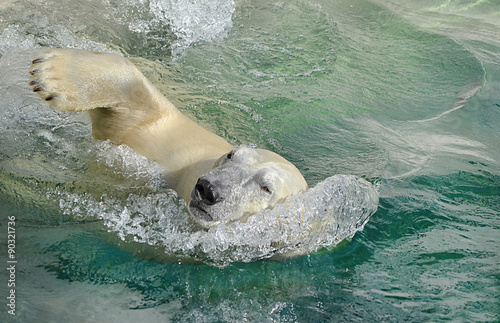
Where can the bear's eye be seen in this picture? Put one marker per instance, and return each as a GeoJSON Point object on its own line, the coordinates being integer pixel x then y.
{"type": "Point", "coordinates": [265, 189]}
{"type": "Point", "coordinates": [230, 155]}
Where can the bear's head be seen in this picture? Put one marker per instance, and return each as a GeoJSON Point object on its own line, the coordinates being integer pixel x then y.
{"type": "Point", "coordinates": [243, 182]}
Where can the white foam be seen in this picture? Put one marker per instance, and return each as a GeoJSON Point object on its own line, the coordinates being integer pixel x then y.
{"type": "Point", "coordinates": [333, 210]}
{"type": "Point", "coordinates": [123, 161]}
{"type": "Point", "coordinates": [190, 21]}
{"type": "Point", "coordinates": [194, 21]}
{"type": "Point", "coordinates": [174, 24]}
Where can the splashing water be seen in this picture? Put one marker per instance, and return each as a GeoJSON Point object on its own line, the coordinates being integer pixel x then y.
{"type": "Point", "coordinates": [194, 21]}
{"type": "Point", "coordinates": [161, 28]}
{"type": "Point", "coordinates": [333, 210]}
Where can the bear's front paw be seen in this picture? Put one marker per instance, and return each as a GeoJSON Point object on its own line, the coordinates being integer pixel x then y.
{"type": "Point", "coordinates": [37, 82]}
{"type": "Point", "coordinates": [47, 80]}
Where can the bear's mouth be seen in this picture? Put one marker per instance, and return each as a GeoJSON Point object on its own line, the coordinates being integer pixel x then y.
{"type": "Point", "coordinates": [200, 213]}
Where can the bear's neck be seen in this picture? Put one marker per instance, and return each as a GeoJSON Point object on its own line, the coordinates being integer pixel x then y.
{"type": "Point", "coordinates": [184, 149]}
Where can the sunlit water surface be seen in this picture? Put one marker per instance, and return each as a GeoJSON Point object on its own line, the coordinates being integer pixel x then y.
{"type": "Point", "coordinates": [405, 93]}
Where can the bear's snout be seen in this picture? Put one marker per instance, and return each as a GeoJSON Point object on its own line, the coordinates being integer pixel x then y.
{"type": "Point", "coordinates": [207, 193]}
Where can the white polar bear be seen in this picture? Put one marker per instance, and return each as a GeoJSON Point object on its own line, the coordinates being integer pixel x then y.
{"type": "Point", "coordinates": [219, 183]}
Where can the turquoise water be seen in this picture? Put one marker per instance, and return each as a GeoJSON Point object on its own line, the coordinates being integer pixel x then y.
{"type": "Point", "coordinates": [407, 93]}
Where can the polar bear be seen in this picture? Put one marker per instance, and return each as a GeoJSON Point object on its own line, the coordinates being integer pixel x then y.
{"type": "Point", "coordinates": [219, 183]}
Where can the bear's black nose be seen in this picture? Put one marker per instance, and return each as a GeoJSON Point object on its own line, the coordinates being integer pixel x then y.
{"type": "Point", "coordinates": [207, 193]}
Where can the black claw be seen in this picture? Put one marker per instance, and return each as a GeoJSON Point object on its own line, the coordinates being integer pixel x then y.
{"type": "Point", "coordinates": [34, 72]}
{"type": "Point", "coordinates": [38, 60]}
{"type": "Point", "coordinates": [34, 82]}
{"type": "Point", "coordinates": [50, 97]}
{"type": "Point", "coordinates": [38, 88]}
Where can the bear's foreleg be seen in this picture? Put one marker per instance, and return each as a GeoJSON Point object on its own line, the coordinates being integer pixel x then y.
{"type": "Point", "coordinates": [117, 95]}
